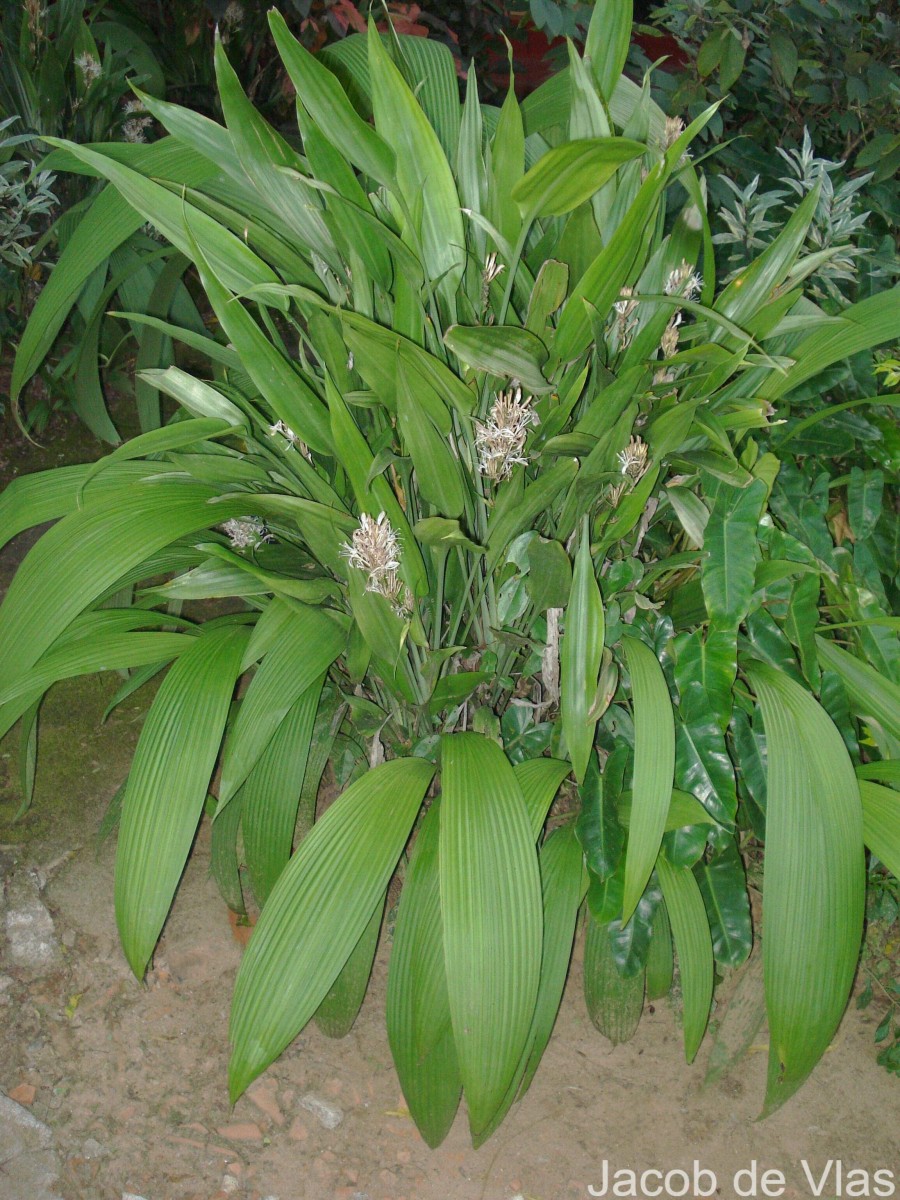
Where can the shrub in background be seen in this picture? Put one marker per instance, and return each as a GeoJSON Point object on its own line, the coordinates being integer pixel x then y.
{"type": "Point", "coordinates": [479, 453]}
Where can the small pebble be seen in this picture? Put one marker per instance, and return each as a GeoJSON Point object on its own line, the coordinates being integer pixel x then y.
{"type": "Point", "coordinates": [327, 1114]}
{"type": "Point", "coordinates": [93, 1149]}
{"type": "Point", "coordinates": [131, 1196]}
{"type": "Point", "coordinates": [230, 1185]}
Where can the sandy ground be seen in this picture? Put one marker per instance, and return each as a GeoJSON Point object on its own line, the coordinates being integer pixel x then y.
{"type": "Point", "coordinates": [131, 1078]}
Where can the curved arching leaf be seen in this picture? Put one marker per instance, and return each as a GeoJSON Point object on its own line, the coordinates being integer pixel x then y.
{"type": "Point", "coordinates": [318, 911]}
{"type": "Point", "coordinates": [814, 882]}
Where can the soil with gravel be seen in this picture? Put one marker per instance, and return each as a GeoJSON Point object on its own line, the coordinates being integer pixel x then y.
{"type": "Point", "coordinates": [126, 1082]}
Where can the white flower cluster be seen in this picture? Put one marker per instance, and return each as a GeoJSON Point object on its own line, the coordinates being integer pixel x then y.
{"type": "Point", "coordinates": [280, 429]}
{"type": "Point", "coordinates": [500, 440]}
{"type": "Point", "coordinates": [683, 282]}
{"type": "Point", "coordinates": [374, 549]}
{"type": "Point", "coordinates": [134, 128]}
{"type": "Point", "coordinates": [89, 68]}
{"type": "Point", "coordinates": [633, 463]}
{"type": "Point", "coordinates": [626, 321]}
{"type": "Point", "coordinates": [246, 533]}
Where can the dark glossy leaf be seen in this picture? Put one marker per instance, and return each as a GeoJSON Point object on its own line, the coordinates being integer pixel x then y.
{"type": "Point", "coordinates": [703, 767]}
{"type": "Point", "coordinates": [630, 943]}
{"type": "Point", "coordinates": [705, 669]}
{"type": "Point", "coordinates": [724, 891]}
{"type": "Point", "coordinates": [731, 552]}
{"type": "Point", "coordinates": [597, 828]}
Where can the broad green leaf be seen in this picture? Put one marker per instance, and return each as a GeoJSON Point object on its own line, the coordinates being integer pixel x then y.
{"type": "Point", "coordinates": [507, 522]}
{"type": "Point", "coordinates": [338, 1011]}
{"type": "Point", "coordinates": [197, 397]}
{"type": "Point", "coordinates": [223, 857]}
{"type": "Point", "coordinates": [437, 470]}
{"type": "Point", "coordinates": [422, 169]}
{"type": "Point", "coordinates": [731, 553]}
{"type": "Point", "coordinates": [291, 398]}
{"type": "Point", "coordinates": [571, 173]}
{"type": "Point", "coordinates": [563, 885]}
{"type": "Point", "coordinates": [597, 828]}
{"type": "Point", "coordinates": [180, 221]}
{"type": "Point", "coordinates": [614, 1002]}
{"type": "Point", "coordinates": [491, 906]}
{"type": "Point", "coordinates": [47, 495]}
{"type": "Point", "coordinates": [580, 655]}
{"type": "Point", "coordinates": [86, 552]}
{"type": "Point", "coordinates": [418, 1006]}
{"type": "Point", "coordinates": [319, 91]}
{"type": "Point", "coordinates": [507, 167]}
{"type": "Point", "coordinates": [654, 768]}
{"type": "Point", "coordinates": [724, 891]}
{"type": "Point", "coordinates": [273, 168]}
{"type": "Point", "coordinates": [881, 823]}
{"type": "Point", "coordinates": [599, 286]}
{"type": "Point", "coordinates": [814, 883]}
{"type": "Point", "coordinates": [307, 645]}
{"type": "Point", "coordinates": [502, 350]}
{"type": "Point", "coordinates": [629, 941]}
{"type": "Point", "coordinates": [865, 324]}
{"type": "Point", "coordinates": [270, 795]}
{"type": "Point", "coordinates": [608, 39]}
{"type": "Point", "coordinates": [540, 779]}
{"type": "Point", "coordinates": [549, 578]}
{"type": "Point", "coordinates": [703, 767]}
{"type": "Point", "coordinates": [693, 945]}
{"type": "Point", "coordinates": [318, 911]}
{"type": "Point", "coordinates": [705, 669]}
{"type": "Point", "coordinates": [871, 695]}
{"type": "Point", "coordinates": [660, 957]}
{"type": "Point", "coordinates": [167, 785]}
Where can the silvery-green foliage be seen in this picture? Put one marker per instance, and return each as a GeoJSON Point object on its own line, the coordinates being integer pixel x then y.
{"type": "Point", "coordinates": [753, 219]}
{"type": "Point", "coordinates": [25, 198]}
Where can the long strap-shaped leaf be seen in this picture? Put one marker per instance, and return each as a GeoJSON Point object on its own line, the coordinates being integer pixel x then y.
{"type": "Point", "coordinates": [539, 779]}
{"type": "Point", "coordinates": [871, 695]}
{"type": "Point", "coordinates": [491, 906]}
{"type": "Point", "coordinates": [317, 913]}
{"type": "Point", "coordinates": [307, 645]}
{"type": "Point", "coordinates": [422, 168]}
{"type": "Point", "coordinates": [563, 885]}
{"type": "Point", "coordinates": [654, 768]}
{"type": "Point", "coordinates": [88, 551]}
{"type": "Point", "coordinates": [881, 822]}
{"type": "Point", "coordinates": [232, 260]}
{"type": "Point", "coordinates": [270, 795]}
{"type": "Point", "coordinates": [814, 880]}
{"type": "Point", "coordinates": [579, 658]}
{"type": "Point", "coordinates": [167, 786]}
{"type": "Point", "coordinates": [337, 1012]}
{"type": "Point", "coordinates": [690, 929]}
{"type": "Point", "coordinates": [418, 1006]}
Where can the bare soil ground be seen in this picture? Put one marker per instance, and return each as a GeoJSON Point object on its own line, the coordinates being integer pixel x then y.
{"type": "Point", "coordinates": [131, 1078]}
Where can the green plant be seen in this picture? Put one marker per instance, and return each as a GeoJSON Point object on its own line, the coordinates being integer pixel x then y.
{"type": "Point", "coordinates": [479, 454]}
{"type": "Point", "coordinates": [26, 200]}
{"type": "Point", "coordinates": [824, 66]}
